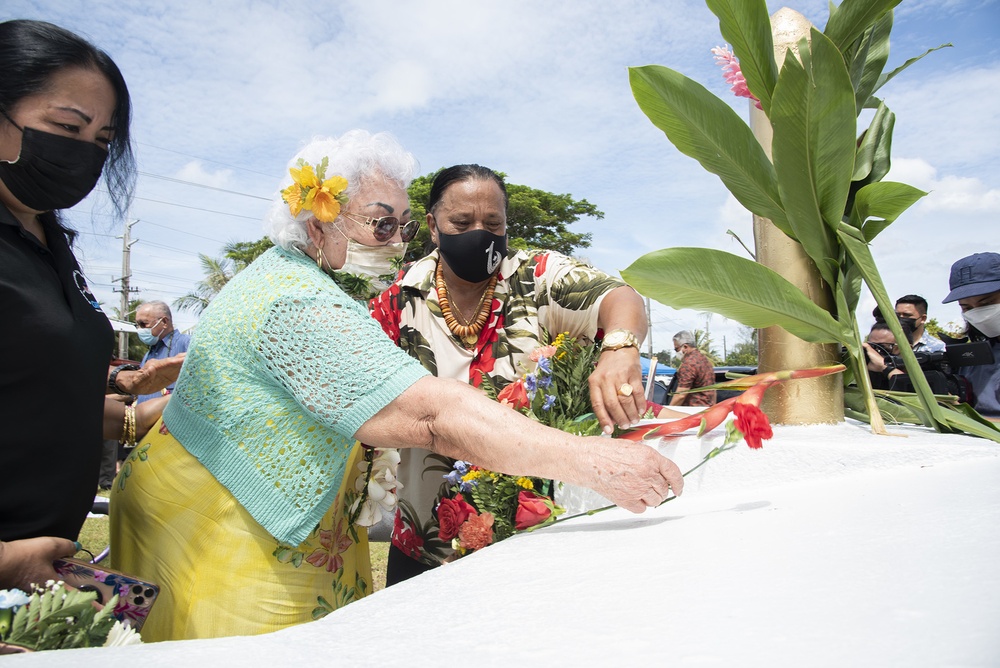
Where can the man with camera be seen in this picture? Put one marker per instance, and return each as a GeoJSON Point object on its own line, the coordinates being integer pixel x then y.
{"type": "Point", "coordinates": [886, 370]}
{"type": "Point", "coordinates": [975, 285]}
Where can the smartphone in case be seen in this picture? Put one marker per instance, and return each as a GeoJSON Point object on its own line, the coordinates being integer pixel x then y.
{"type": "Point", "coordinates": [135, 596]}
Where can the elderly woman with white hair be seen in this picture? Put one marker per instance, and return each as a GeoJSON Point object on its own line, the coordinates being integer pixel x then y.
{"type": "Point", "coordinates": [244, 506]}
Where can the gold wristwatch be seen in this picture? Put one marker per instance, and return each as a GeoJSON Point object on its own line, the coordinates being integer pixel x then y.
{"type": "Point", "coordinates": [617, 339]}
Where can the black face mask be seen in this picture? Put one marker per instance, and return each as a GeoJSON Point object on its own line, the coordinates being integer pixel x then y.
{"type": "Point", "coordinates": [909, 326]}
{"type": "Point", "coordinates": [52, 172]}
{"type": "Point", "coordinates": [474, 256]}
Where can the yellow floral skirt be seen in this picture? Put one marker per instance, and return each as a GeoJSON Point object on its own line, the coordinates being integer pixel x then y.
{"type": "Point", "coordinates": [220, 572]}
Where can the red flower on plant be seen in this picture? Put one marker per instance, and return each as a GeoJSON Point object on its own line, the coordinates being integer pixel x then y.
{"type": "Point", "coordinates": [752, 423]}
{"type": "Point", "coordinates": [452, 513]}
{"type": "Point", "coordinates": [532, 509]}
{"type": "Point", "coordinates": [514, 395]}
{"type": "Point", "coordinates": [332, 545]}
{"type": "Point", "coordinates": [405, 538]}
{"type": "Point", "coordinates": [477, 532]}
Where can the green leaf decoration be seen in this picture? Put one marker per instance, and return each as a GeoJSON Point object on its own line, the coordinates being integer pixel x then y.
{"type": "Point", "coordinates": [886, 78]}
{"type": "Point", "coordinates": [733, 287]}
{"type": "Point", "coordinates": [746, 25]}
{"type": "Point", "coordinates": [875, 56]}
{"type": "Point", "coordinates": [853, 18]}
{"type": "Point", "coordinates": [872, 160]}
{"type": "Point", "coordinates": [884, 200]}
{"type": "Point", "coordinates": [705, 128]}
{"type": "Point", "coordinates": [813, 147]}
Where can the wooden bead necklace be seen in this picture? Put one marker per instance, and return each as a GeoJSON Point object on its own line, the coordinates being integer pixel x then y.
{"type": "Point", "coordinates": [469, 332]}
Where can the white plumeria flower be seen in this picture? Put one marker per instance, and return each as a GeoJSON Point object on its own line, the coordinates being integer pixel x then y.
{"type": "Point", "coordinates": [121, 635]}
{"type": "Point", "coordinates": [380, 488]}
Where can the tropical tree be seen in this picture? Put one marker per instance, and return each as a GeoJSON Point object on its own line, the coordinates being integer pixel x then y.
{"type": "Point", "coordinates": [823, 187]}
{"type": "Point", "coordinates": [218, 271]}
{"type": "Point", "coordinates": [744, 353]}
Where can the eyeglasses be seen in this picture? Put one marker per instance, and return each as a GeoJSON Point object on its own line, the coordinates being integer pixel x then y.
{"type": "Point", "coordinates": [385, 227]}
{"type": "Point", "coordinates": [143, 325]}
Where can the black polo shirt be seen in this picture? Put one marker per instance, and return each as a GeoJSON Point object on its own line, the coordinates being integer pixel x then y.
{"type": "Point", "coordinates": [55, 345]}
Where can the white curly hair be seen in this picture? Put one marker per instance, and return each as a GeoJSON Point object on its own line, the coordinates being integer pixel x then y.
{"type": "Point", "coordinates": [358, 156]}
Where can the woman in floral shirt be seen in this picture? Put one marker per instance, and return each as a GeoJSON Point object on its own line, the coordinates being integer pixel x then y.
{"type": "Point", "coordinates": [472, 308]}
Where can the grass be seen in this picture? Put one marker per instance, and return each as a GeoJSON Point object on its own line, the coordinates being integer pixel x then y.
{"type": "Point", "coordinates": [94, 537]}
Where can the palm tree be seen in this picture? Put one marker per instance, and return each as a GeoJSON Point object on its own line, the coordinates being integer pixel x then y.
{"type": "Point", "coordinates": [218, 271]}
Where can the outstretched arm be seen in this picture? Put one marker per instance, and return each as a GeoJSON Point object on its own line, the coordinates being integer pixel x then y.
{"type": "Point", "coordinates": [451, 418]}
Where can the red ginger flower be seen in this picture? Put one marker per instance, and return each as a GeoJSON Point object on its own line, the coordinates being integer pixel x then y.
{"type": "Point", "coordinates": [732, 73]}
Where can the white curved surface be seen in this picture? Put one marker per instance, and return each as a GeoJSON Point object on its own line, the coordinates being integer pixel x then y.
{"type": "Point", "coordinates": [829, 547]}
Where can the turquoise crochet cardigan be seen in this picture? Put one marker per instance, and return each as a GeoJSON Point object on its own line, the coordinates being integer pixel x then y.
{"type": "Point", "coordinates": [283, 370]}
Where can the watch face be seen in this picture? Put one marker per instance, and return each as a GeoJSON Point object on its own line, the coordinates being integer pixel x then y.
{"type": "Point", "coordinates": [615, 338]}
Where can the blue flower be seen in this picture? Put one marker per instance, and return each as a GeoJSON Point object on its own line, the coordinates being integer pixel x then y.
{"type": "Point", "coordinates": [12, 598]}
{"type": "Point", "coordinates": [544, 381]}
{"type": "Point", "coordinates": [467, 486]}
{"type": "Point", "coordinates": [545, 364]}
{"type": "Point", "coordinates": [531, 382]}
{"type": "Point", "coordinates": [453, 478]}
{"type": "Point", "coordinates": [461, 467]}
{"type": "Point", "coordinates": [549, 400]}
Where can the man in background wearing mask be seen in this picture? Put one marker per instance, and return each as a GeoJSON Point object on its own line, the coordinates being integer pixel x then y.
{"type": "Point", "coordinates": [975, 285]}
{"type": "Point", "coordinates": [156, 330]}
{"type": "Point", "coordinates": [912, 310]}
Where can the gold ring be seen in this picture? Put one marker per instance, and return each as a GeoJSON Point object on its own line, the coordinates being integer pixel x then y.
{"type": "Point", "coordinates": [625, 390]}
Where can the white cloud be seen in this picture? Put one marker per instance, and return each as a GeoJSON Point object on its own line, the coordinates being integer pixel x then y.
{"type": "Point", "coordinates": [195, 172]}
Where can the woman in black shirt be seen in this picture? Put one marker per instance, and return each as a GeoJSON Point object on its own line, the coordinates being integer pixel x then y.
{"type": "Point", "coordinates": [64, 120]}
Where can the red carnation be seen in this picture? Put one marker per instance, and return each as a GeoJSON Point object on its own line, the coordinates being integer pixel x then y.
{"type": "Point", "coordinates": [477, 532]}
{"type": "Point", "coordinates": [452, 513]}
{"type": "Point", "coordinates": [532, 509]}
{"type": "Point", "coordinates": [752, 423]}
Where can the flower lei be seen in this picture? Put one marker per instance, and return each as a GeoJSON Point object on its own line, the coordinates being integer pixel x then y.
{"type": "Point", "coordinates": [312, 191]}
{"type": "Point", "coordinates": [377, 489]}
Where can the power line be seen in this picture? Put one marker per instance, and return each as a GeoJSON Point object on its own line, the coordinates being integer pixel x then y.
{"type": "Point", "coordinates": [185, 206]}
{"type": "Point", "coordinates": [202, 185]}
{"type": "Point", "coordinates": [188, 155]}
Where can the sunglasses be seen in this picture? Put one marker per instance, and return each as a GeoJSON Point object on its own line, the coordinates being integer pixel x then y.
{"type": "Point", "coordinates": [384, 228]}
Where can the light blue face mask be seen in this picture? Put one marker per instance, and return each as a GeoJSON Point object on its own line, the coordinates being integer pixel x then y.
{"type": "Point", "coordinates": [145, 335]}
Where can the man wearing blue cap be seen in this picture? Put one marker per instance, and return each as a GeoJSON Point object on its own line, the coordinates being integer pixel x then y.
{"type": "Point", "coordinates": [975, 284]}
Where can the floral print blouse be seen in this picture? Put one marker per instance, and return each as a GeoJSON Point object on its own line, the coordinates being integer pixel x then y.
{"type": "Point", "coordinates": [539, 294]}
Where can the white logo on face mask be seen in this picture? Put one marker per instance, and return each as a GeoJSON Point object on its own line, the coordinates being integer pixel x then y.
{"type": "Point", "coordinates": [492, 261]}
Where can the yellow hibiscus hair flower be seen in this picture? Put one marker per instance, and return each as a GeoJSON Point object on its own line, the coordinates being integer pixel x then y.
{"type": "Point", "coordinates": [310, 191]}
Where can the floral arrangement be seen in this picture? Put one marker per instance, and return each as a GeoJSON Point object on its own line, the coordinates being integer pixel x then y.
{"type": "Point", "coordinates": [487, 507]}
{"type": "Point", "coordinates": [554, 392]}
{"type": "Point", "coordinates": [312, 191]}
{"type": "Point", "coordinates": [58, 617]}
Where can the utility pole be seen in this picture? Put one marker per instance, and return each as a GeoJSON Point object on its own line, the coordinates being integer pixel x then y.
{"type": "Point", "coordinates": [649, 327]}
{"type": "Point", "coordinates": [125, 289]}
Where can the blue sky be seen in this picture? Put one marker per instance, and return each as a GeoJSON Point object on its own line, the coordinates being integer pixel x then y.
{"type": "Point", "coordinates": [225, 92]}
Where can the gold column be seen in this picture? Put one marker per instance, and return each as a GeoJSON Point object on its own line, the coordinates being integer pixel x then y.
{"type": "Point", "coordinates": [807, 401]}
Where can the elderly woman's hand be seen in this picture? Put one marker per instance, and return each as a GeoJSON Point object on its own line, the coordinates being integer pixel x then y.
{"type": "Point", "coordinates": [616, 391]}
{"type": "Point", "coordinates": [632, 475]}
